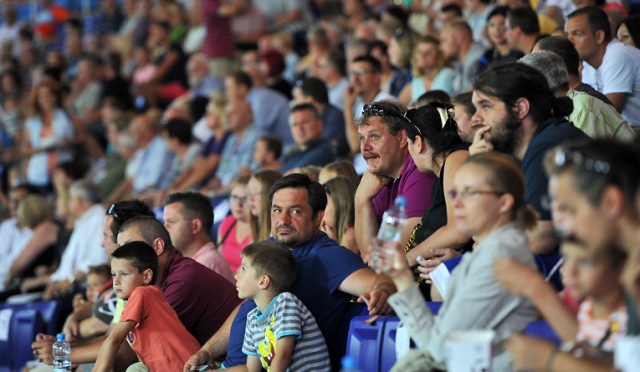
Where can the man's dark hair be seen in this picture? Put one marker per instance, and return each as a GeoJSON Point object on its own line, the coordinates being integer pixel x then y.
{"type": "Point", "coordinates": [314, 88]}
{"type": "Point", "coordinates": [378, 45]}
{"type": "Point", "coordinates": [149, 228]}
{"type": "Point", "coordinates": [374, 64]}
{"type": "Point", "coordinates": [391, 113]}
{"type": "Point", "coordinates": [498, 11]}
{"type": "Point", "coordinates": [194, 206]}
{"type": "Point", "coordinates": [180, 129]}
{"type": "Point", "coordinates": [564, 48]}
{"type": "Point", "coordinates": [75, 169]}
{"type": "Point", "coordinates": [140, 255]}
{"type": "Point", "coordinates": [114, 61]}
{"type": "Point", "coordinates": [512, 81]}
{"type": "Point", "coordinates": [273, 144]}
{"type": "Point", "coordinates": [28, 188]}
{"type": "Point", "coordinates": [597, 20]}
{"type": "Point", "coordinates": [316, 197]}
{"type": "Point", "coordinates": [241, 78]}
{"type": "Point", "coordinates": [305, 107]}
{"type": "Point", "coordinates": [198, 107]}
{"type": "Point", "coordinates": [453, 8]}
{"type": "Point", "coordinates": [124, 211]}
{"type": "Point", "coordinates": [338, 61]}
{"type": "Point", "coordinates": [274, 260]}
{"type": "Point", "coordinates": [526, 19]}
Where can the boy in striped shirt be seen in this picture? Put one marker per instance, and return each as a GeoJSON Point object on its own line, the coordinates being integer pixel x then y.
{"type": "Point", "coordinates": [281, 334]}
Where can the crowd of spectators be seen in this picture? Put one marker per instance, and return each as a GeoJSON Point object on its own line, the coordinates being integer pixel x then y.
{"type": "Point", "coordinates": [203, 127]}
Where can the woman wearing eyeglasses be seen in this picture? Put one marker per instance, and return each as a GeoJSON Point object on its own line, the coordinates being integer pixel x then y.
{"type": "Point", "coordinates": [488, 200]}
{"type": "Point", "coordinates": [436, 146]}
{"type": "Point", "coordinates": [235, 230]}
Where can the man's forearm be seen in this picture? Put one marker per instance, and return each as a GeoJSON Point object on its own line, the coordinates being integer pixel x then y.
{"type": "Point", "coordinates": [366, 225]}
{"type": "Point", "coordinates": [87, 353]}
{"type": "Point", "coordinates": [218, 343]}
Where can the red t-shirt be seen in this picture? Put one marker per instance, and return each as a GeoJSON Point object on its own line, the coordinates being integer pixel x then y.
{"type": "Point", "coordinates": [159, 338]}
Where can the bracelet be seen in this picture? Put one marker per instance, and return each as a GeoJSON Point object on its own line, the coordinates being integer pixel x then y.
{"type": "Point", "coordinates": [551, 359]}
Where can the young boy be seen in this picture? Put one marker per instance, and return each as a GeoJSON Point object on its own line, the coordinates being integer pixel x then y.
{"type": "Point", "coordinates": [97, 278]}
{"type": "Point", "coordinates": [281, 334]}
{"type": "Point", "coordinates": [602, 317]}
{"type": "Point", "coordinates": [148, 322]}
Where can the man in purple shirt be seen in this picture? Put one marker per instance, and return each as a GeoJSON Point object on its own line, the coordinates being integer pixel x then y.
{"type": "Point", "coordinates": [391, 172]}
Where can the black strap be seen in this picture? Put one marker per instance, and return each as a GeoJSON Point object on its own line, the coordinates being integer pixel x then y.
{"type": "Point", "coordinates": [227, 233]}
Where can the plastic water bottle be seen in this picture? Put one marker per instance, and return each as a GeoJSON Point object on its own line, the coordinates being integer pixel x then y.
{"type": "Point", "coordinates": [393, 223]}
{"type": "Point", "coordinates": [349, 364]}
{"type": "Point", "coordinates": [61, 355]}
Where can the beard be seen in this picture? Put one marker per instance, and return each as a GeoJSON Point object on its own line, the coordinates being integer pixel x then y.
{"type": "Point", "coordinates": [508, 138]}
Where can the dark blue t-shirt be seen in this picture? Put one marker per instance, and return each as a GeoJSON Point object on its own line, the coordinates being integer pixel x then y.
{"type": "Point", "coordinates": [334, 130]}
{"type": "Point", "coordinates": [319, 153]}
{"type": "Point", "coordinates": [553, 132]}
{"type": "Point", "coordinates": [322, 267]}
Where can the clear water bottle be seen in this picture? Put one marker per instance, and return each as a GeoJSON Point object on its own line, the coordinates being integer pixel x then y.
{"type": "Point", "coordinates": [349, 364]}
{"type": "Point", "coordinates": [393, 223]}
{"type": "Point", "coordinates": [61, 355]}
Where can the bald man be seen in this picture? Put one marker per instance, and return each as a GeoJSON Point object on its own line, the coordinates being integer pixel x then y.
{"type": "Point", "coordinates": [456, 42]}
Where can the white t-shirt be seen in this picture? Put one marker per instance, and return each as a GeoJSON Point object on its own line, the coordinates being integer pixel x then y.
{"type": "Point", "coordinates": [618, 73]}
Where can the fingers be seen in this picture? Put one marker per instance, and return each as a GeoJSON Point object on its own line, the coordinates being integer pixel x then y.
{"type": "Point", "coordinates": [372, 319]}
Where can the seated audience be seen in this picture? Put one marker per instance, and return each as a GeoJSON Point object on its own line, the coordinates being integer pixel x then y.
{"type": "Point", "coordinates": [267, 152]}
{"type": "Point", "coordinates": [258, 189]}
{"type": "Point", "coordinates": [342, 168]}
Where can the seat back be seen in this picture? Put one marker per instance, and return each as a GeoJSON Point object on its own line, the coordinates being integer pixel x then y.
{"type": "Point", "coordinates": [50, 312]}
{"type": "Point", "coordinates": [363, 342]}
{"type": "Point", "coordinates": [25, 325]}
{"type": "Point", "coordinates": [6, 315]}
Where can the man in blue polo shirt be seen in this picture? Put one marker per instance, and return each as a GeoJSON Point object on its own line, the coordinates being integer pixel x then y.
{"type": "Point", "coordinates": [327, 276]}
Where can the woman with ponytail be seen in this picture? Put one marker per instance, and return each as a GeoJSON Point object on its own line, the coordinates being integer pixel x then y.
{"type": "Point", "coordinates": [436, 146]}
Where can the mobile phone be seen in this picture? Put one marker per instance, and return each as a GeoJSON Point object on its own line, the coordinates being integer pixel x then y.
{"type": "Point", "coordinates": [419, 258]}
{"type": "Point", "coordinates": [202, 368]}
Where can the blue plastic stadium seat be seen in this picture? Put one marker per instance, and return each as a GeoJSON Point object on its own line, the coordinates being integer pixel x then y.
{"type": "Point", "coordinates": [50, 312]}
{"type": "Point", "coordinates": [542, 329]}
{"type": "Point", "coordinates": [364, 342]}
{"type": "Point", "coordinates": [25, 325]}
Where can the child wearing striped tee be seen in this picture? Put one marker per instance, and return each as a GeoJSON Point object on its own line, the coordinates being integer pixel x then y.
{"type": "Point", "coordinates": [281, 333]}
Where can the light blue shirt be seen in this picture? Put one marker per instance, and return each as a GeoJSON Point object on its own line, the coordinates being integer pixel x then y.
{"type": "Point", "coordinates": [271, 113]}
{"type": "Point", "coordinates": [155, 160]}
{"type": "Point", "coordinates": [237, 154]}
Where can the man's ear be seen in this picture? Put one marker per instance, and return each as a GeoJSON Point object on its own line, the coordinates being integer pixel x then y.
{"type": "Point", "coordinates": [521, 108]}
{"type": "Point", "coordinates": [403, 138]}
{"type": "Point", "coordinates": [318, 218]}
{"type": "Point", "coordinates": [196, 226]}
{"type": "Point", "coordinates": [599, 36]}
{"type": "Point", "coordinates": [506, 202]}
{"type": "Point", "coordinates": [158, 246]}
{"type": "Point", "coordinates": [265, 282]}
{"type": "Point", "coordinates": [612, 202]}
{"type": "Point", "coordinates": [147, 276]}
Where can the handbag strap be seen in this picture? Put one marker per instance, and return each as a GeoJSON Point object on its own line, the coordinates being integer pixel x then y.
{"type": "Point", "coordinates": [224, 237]}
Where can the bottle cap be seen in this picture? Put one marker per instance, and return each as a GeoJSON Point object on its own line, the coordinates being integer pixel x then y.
{"type": "Point", "coordinates": [60, 336]}
{"type": "Point", "coordinates": [401, 201]}
{"type": "Point", "coordinates": [349, 362]}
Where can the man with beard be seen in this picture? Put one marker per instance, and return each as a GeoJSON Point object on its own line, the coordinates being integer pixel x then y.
{"type": "Point", "coordinates": [328, 275]}
{"type": "Point", "coordinates": [391, 172]}
{"type": "Point", "coordinates": [519, 115]}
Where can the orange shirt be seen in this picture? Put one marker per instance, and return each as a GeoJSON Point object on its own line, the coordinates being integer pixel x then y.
{"type": "Point", "coordinates": [159, 338]}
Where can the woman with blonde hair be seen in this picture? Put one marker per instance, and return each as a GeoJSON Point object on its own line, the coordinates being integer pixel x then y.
{"type": "Point", "coordinates": [35, 213]}
{"type": "Point", "coordinates": [258, 190]}
{"type": "Point", "coordinates": [430, 71]}
{"type": "Point", "coordinates": [488, 195]}
{"type": "Point", "coordinates": [235, 230]}
{"type": "Point", "coordinates": [339, 214]}
{"type": "Point", "coordinates": [342, 168]}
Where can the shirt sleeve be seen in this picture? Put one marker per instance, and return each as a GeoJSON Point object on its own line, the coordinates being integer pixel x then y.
{"type": "Point", "coordinates": [618, 76]}
{"type": "Point", "coordinates": [417, 189]}
{"type": "Point", "coordinates": [288, 315]}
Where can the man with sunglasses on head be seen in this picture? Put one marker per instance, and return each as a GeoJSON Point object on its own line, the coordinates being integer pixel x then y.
{"type": "Point", "coordinates": [364, 88]}
{"type": "Point", "coordinates": [391, 172]}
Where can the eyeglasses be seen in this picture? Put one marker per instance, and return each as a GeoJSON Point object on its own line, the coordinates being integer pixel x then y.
{"type": "Point", "coordinates": [410, 122]}
{"type": "Point", "coordinates": [374, 110]}
{"type": "Point", "coordinates": [239, 199]}
{"type": "Point", "coordinates": [359, 71]}
{"type": "Point", "coordinates": [114, 212]}
{"type": "Point", "coordinates": [565, 157]}
{"type": "Point", "coordinates": [463, 194]}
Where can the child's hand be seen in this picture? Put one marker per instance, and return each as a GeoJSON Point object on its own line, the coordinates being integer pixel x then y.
{"type": "Point", "coordinates": [78, 300]}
